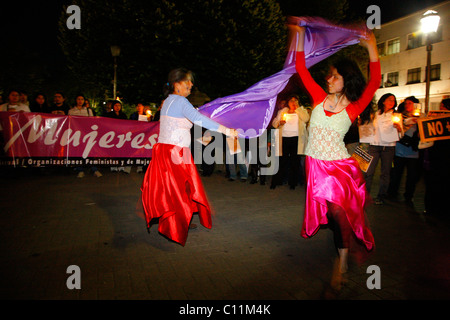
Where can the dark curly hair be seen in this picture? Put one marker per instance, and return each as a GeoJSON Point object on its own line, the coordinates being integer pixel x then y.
{"type": "Point", "coordinates": [354, 81]}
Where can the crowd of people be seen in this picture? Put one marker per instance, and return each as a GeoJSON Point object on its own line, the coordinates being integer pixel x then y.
{"type": "Point", "coordinates": [313, 146]}
{"type": "Point", "coordinates": [392, 145]}
{"type": "Point", "coordinates": [17, 101]}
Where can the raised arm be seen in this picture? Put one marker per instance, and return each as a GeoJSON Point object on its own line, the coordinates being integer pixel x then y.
{"type": "Point", "coordinates": [356, 108]}
{"type": "Point", "coordinates": [370, 43]}
{"type": "Point", "coordinates": [297, 38]}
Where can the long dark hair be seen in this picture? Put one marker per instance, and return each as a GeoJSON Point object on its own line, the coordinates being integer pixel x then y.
{"type": "Point", "coordinates": [382, 99]}
{"type": "Point", "coordinates": [76, 97]}
{"type": "Point", "coordinates": [366, 115]}
{"type": "Point", "coordinates": [35, 107]}
{"type": "Point", "coordinates": [176, 75]}
{"type": "Point", "coordinates": [354, 82]}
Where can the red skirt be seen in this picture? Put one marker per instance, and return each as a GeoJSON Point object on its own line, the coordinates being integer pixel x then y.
{"type": "Point", "coordinates": [342, 183]}
{"type": "Point", "coordinates": [172, 191]}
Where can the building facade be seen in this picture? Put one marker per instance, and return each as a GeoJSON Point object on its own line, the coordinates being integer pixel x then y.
{"type": "Point", "coordinates": [403, 57]}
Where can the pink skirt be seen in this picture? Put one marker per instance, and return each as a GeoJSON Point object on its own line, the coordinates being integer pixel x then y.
{"type": "Point", "coordinates": [342, 183]}
{"type": "Point", "coordinates": [172, 192]}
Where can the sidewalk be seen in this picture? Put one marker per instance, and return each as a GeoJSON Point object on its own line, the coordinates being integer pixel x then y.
{"type": "Point", "coordinates": [253, 252]}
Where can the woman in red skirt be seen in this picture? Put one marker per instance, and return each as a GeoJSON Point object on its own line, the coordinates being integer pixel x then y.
{"type": "Point", "coordinates": [172, 190]}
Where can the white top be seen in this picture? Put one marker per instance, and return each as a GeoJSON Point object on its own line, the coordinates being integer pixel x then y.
{"type": "Point", "coordinates": [177, 118]}
{"type": "Point", "coordinates": [326, 135]}
{"type": "Point", "coordinates": [14, 107]}
{"type": "Point", "coordinates": [290, 128]}
{"type": "Point", "coordinates": [80, 112]}
{"type": "Point", "coordinates": [385, 134]}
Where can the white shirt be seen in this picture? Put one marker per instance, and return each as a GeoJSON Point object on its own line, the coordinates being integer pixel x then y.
{"type": "Point", "coordinates": [290, 128]}
{"type": "Point", "coordinates": [385, 135]}
{"type": "Point", "coordinates": [17, 107]}
{"type": "Point", "coordinates": [80, 112]}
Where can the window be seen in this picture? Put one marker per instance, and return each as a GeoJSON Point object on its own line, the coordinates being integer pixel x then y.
{"type": "Point", "coordinates": [413, 76]}
{"type": "Point", "coordinates": [392, 79]}
{"type": "Point", "coordinates": [381, 48]}
{"type": "Point", "coordinates": [435, 72]}
{"type": "Point", "coordinates": [393, 46]}
{"type": "Point", "coordinates": [414, 41]}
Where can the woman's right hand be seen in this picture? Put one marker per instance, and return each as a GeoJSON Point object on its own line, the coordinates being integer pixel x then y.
{"type": "Point", "coordinates": [397, 126]}
{"type": "Point", "coordinates": [231, 133]}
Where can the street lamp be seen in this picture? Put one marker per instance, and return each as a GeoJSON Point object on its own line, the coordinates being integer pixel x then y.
{"type": "Point", "coordinates": [430, 23]}
{"type": "Point", "coordinates": [115, 52]}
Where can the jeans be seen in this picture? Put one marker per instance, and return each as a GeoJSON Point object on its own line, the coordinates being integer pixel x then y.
{"type": "Point", "coordinates": [231, 161]}
{"type": "Point", "coordinates": [386, 155]}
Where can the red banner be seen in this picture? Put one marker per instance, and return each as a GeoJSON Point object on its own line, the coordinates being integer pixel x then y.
{"type": "Point", "coordinates": [45, 139]}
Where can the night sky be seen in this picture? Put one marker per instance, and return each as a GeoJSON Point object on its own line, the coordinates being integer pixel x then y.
{"type": "Point", "coordinates": [391, 9]}
{"type": "Point", "coordinates": [31, 26]}
{"type": "Point", "coordinates": [33, 23]}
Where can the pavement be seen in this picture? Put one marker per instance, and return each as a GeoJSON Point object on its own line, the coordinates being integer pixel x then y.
{"type": "Point", "coordinates": [52, 220]}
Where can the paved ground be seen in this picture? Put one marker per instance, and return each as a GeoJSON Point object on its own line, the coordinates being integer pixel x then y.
{"type": "Point", "coordinates": [50, 221]}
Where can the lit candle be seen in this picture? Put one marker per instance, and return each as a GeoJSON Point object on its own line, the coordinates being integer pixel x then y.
{"type": "Point", "coordinates": [284, 116]}
{"type": "Point", "coordinates": [396, 118]}
{"type": "Point", "coordinates": [416, 112]}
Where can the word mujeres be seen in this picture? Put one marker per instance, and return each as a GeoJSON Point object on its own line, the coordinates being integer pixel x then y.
{"type": "Point", "coordinates": [52, 133]}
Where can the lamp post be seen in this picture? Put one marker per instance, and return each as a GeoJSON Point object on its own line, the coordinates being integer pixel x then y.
{"type": "Point", "coordinates": [115, 52]}
{"type": "Point", "coordinates": [430, 23]}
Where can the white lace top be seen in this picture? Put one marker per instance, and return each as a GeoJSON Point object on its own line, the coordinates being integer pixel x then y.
{"type": "Point", "coordinates": [177, 118]}
{"type": "Point", "coordinates": [326, 135]}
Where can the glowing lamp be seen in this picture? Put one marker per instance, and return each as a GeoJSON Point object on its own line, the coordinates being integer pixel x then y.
{"type": "Point", "coordinates": [115, 51]}
{"type": "Point", "coordinates": [430, 21]}
{"type": "Point", "coordinates": [430, 24]}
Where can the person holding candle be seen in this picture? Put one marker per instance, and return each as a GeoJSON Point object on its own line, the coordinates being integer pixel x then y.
{"type": "Point", "coordinates": [387, 127]}
{"type": "Point", "coordinates": [116, 111]}
{"type": "Point", "coordinates": [79, 109]}
{"type": "Point", "coordinates": [172, 190]}
{"type": "Point", "coordinates": [406, 153]}
{"type": "Point", "coordinates": [336, 192]}
{"type": "Point", "coordinates": [293, 136]}
{"type": "Point", "coordinates": [139, 114]}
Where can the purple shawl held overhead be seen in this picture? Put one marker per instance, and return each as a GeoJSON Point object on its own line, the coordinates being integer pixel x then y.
{"type": "Point", "coordinates": [251, 110]}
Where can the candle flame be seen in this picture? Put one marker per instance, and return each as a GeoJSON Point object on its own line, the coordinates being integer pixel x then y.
{"type": "Point", "coordinates": [396, 118]}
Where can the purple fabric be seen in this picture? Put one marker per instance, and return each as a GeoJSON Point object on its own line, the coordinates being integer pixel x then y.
{"type": "Point", "coordinates": [252, 110]}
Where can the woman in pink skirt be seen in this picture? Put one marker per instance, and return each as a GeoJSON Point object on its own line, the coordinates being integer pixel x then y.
{"type": "Point", "coordinates": [336, 191]}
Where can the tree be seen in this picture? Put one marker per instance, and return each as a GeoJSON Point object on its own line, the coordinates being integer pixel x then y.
{"type": "Point", "coordinates": [229, 44]}
{"type": "Point", "coordinates": [333, 10]}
